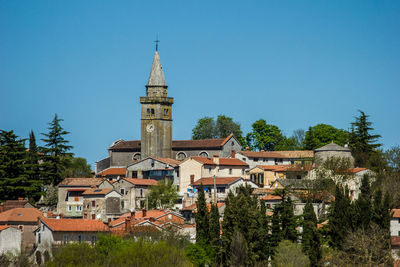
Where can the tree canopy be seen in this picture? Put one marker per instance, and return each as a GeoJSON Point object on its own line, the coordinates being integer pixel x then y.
{"type": "Point", "coordinates": [323, 134]}
{"type": "Point", "coordinates": [163, 195]}
{"type": "Point", "coordinates": [264, 136]}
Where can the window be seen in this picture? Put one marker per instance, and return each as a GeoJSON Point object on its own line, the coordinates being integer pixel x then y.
{"type": "Point", "coordinates": [244, 159]}
{"type": "Point", "coordinates": [152, 112]}
{"type": "Point", "coordinates": [79, 238]}
{"type": "Point", "coordinates": [152, 163]}
{"type": "Point", "coordinates": [399, 233]}
{"type": "Point", "coordinates": [209, 170]}
{"type": "Point", "coordinates": [122, 204]}
{"type": "Point", "coordinates": [65, 239]}
{"type": "Point", "coordinates": [69, 208]}
{"type": "Point", "coordinates": [230, 171]}
{"type": "Point", "coordinates": [255, 159]}
{"type": "Point", "coordinates": [203, 154]}
{"type": "Point", "coordinates": [148, 112]}
{"type": "Point", "coordinates": [76, 199]}
{"type": "Point", "coordinates": [21, 227]}
{"type": "Point", "coordinates": [141, 192]}
{"type": "Point", "coordinates": [220, 189]}
{"type": "Point", "coordinates": [122, 190]}
{"type": "Point", "coordinates": [242, 171]}
{"type": "Point", "coordinates": [166, 112]}
{"type": "Point", "coordinates": [93, 203]}
{"type": "Point", "coordinates": [39, 238]}
{"type": "Point", "coordinates": [78, 208]}
{"type": "Point", "coordinates": [269, 206]}
{"type": "Point", "coordinates": [180, 156]}
{"type": "Point", "coordinates": [177, 174]}
{"type": "Point", "coordinates": [93, 216]}
{"type": "Point", "coordinates": [232, 143]}
{"type": "Point", "coordinates": [93, 239]}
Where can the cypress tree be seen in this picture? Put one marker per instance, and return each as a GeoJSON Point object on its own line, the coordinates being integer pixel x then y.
{"type": "Point", "coordinates": [262, 245]}
{"type": "Point", "coordinates": [276, 233]}
{"type": "Point", "coordinates": [33, 169]}
{"type": "Point", "coordinates": [311, 243]}
{"type": "Point", "coordinates": [288, 220]}
{"type": "Point", "coordinates": [338, 219]}
{"type": "Point", "coordinates": [56, 157]}
{"type": "Point", "coordinates": [363, 204]}
{"type": "Point", "coordinates": [215, 232]}
{"type": "Point", "coordinates": [228, 225]}
{"type": "Point", "coordinates": [14, 181]}
{"type": "Point", "coordinates": [202, 219]}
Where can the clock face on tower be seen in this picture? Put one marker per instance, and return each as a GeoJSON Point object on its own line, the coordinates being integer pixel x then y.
{"type": "Point", "coordinates": [150, 128]}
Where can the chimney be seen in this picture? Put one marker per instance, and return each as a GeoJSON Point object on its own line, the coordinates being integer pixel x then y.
{"type": "Point", "coordinates": [216, 159]}
{"type": "Point", "coordinates": [233, 154]}
{"type": "Point", "coordinates": [247, 148]}
{"type": "Point", "coordinates": [144, 212]}
{"type": "Point", "coordinates": [20, 199]}
{"type": "Point", "coordinates": [132, 213]}
{"type": "Point", "coordinates": [127, 224]}
{"type": "Point", "coordinates": [192, 179]}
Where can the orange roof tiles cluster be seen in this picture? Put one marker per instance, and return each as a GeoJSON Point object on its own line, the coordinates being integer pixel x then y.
{"type": "Point", "coordinates": [168, 161]}
{"type": "Point", "coordinates": [272, 197]}
{"type": "Point", "coordinates": [193, 207]}
{"type": "Point", "coordinates": [3, 227]}
{"type": "Point", "coordinates": [75, 225]}
{"type": "Point", "coordinates": [285, 168]}
{"type": "Point", "coordinates": [20, 215]}
{"type": "Point", "coordinates": [137, 181]}
{"type": "Point", "coordinates": [97, 191]}
{"type": "Point", "coordinates": [113, 171]}
{"type": "Point", "coordinates": [218, 180]}
{"type": "Point", "coordinates": [81, 182]}
{"type": "Point", "coordinates": [221, 161]}
{"type": "Point", "coordinates": [396, 213]}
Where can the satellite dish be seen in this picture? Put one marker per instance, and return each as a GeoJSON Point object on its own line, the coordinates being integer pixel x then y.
{"type": "Point", "coordinates": [98, 216]}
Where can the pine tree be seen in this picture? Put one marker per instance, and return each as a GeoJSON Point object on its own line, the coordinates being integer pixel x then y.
{"type": "Point", "coordinates": [362, 142]}
{"type": "Point", "coordinates": [228, 225]}
{"type": "Point", "coordinates": [262, 245]}
{"type": "Point", "coordinates": [14, 181]}
{"type": "Point", "coordinates": [338, 219]}
{"type": "Point", "coordinates": [202, 219]}
{"type": "Point", "coordinates": [382, 213]}
{"type": "Point", "coordinates": [56, 157]}
{"type": "Point", "coordinates": [311, 243]}
{"type": "Point", "coordinates": [276, 233]}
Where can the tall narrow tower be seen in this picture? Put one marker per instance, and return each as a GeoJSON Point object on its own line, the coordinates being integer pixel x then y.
{"type": "Point", "coordinates": [156, 120]}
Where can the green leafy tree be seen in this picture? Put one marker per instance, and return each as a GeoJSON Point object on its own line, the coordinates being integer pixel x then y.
{"type": "Point", "coordinates": [392, 157]}
{"type": "Point", "coordinates": [310, 240]}
{"type": "Point", "coordinates": [78, 167]}
{"type": "Point", "coordinates": [323, 134]}
{"type": "Point", "coordinates": [204, 129]}
{"type": "Point", "coordinates": [264, 136]}
{"type": "Point", "coordinates": [14, 181]}
{"type": "Point", "coordinates": [362, 142]}
{"type": "Point", "coordinates": [225, 126]}
{"type": "Point", "coordinates": [163, 195]}
{"type": "Point", "coordinates": [287, 143]}
{"type": "Point", "coordinates": [289, 254]}
{"type": "Point", "coordinates": [56, 157]}
{"type": "Point", "coordinates": [202, 219]}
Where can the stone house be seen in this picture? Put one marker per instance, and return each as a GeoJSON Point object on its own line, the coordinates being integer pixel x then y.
{"type": "Point", "coordinates": [50, 232]}
{"type": "Point", "coordinates": [24, 219]}
{"type": "Point", "coordinates": [222, 184]}
{"type": "Point", "coordinates": [254, 158]}
{"type": "Point", "coordinates": [265, 175]}
{"type": "Point", "coordinates": [194, 168]}
{"type": "Point", "coordinates": [155, 168]}
{"type": "Point", "coordinates": [133, 192]}
{"type": "Point", "coordinates": [12, 204]}
{"type": "Point", "coordinates": [101, 203]}
{"type": "Point", "coordinates": [332, 150]}
{"type": "Point", "coordinates": [395, 223]}
{"type": "Point", "coordinates": [10, 240]}
{"type": "Point", "coordinates": [70, 194]}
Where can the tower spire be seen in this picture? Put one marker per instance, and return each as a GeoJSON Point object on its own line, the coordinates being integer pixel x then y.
{"type": "Point", "coordinates": [156, 77]}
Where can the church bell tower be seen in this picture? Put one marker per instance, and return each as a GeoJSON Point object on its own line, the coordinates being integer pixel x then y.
{"type": "Point", "coordinates": [156, 119]}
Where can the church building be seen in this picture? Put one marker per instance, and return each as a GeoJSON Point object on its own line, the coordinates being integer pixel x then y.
{"type": "Point", "coordinates": [156, 131]}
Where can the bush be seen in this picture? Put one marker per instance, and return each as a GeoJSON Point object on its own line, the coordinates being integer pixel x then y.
{"type": "Point", "coordinates": [289, 254]}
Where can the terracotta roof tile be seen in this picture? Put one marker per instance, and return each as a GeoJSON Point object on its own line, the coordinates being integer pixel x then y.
{"type": "Point", "coordinates": [137, 181]}
{"type": "Point", "coordinates": [3, 227]}
{"type": "Point", "coordinates": [396, 213]}
{"type": "Point", "coordinates": [176, 144]}
{"type": "Point", "coordinates": [113, 171]}
{"type": "Point", "coordinates": [20, 215]}
{"type": "Point", "coordinates": [355, 170]}
{"type": "Point", "coordinates": [396, 241]}
{"type": "Point", "coordinates": [168, 161]}
{"type": "Point", "coordinates": [204, 160]}
{"type": "Point", "coordinates": [193, 207]}
{"type": "Point", "coordinates": [297, 154]}
{"type": "Point", "coordinates": [285, 168]}
{"type": "Point", "coordinates": [218, 180]}
{"type": "Point", "coordinates": [81, 182]}
{"type": "Point", "coordinates": [271, 197]}
{"type": "Point", "coordinates": [97, 191]}
{"type": "Point", "coordinates": [232, 162]}
{"type": "Point", "coordinates": [75, 225]}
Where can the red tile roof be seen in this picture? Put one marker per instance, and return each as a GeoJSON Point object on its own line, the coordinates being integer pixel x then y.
{"type": "Point", "coordinates": [396, 213]}
{"type": "Point", "coordinates": [137, 181]}
{"type": "Point", "coordinates": [204, 160]}
{"type": "Point", "coordinates": [75, 225]}
{"type": "Point", "coordinates": [222, 161]}
{"type": "Point", "coordinates": [113, 171]}
{"type": "Point", "coordinates": [355, 170]}
{"type": "Point", "coordinates": [20, 215]}
{"type": "Point", "coordinates": [97, 191]}
{"type": "Point", "coordinates": [176, 144]}
{"type": "Point", "coordinates": [81, 182]}
{"type": "Point", "coordinates": [3, 227]}
{"type": "Point", "coordinates": [271, 197]}
{"type": "Point", "coordinates": [139, 216]}
{"type": "Point", "coordinates": [218, 180]}
{"type": "Point", "coordinates": [285, 168]}
{"type": "Point", "coordinates": [193, 207]}
{"type": "Point", "coordinates": [168, 161]}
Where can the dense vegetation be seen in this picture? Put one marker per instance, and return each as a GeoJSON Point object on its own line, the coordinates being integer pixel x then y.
{"type": "Point", "coordinates": [29, 171]}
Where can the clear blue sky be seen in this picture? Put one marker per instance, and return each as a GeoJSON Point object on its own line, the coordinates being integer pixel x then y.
{"type": "Point", "coordinates": [293, 63]}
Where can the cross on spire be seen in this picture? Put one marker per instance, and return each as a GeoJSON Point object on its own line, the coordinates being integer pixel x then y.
{"type": "Point", "coordinates": [157, 41]}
